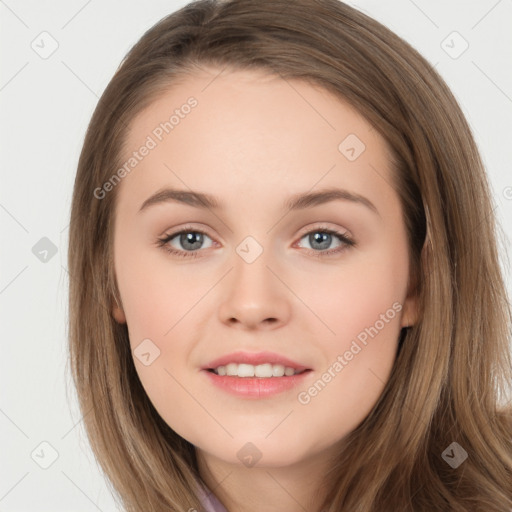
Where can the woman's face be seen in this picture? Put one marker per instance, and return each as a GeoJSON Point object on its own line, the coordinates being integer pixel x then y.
{"type": "Point", "coordinates": [264, 276]}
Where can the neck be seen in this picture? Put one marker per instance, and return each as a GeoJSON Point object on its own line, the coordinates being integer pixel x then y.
{"type": "Point", "coordinates": [291, 488]}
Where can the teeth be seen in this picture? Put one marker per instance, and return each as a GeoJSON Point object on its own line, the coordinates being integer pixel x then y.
{"type": "Point", "coordinates": [248, 370]}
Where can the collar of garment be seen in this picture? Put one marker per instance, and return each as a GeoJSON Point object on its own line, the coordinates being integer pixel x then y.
{"type": "Point", "coordinates": [209, 501]}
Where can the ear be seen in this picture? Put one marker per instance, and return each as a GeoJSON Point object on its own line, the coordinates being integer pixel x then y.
{"type": "Point", "coordinates": [118, 313]}
{"type": "Point", "coordinates": [410, 310]}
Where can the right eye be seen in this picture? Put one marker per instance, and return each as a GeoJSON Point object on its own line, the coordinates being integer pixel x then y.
{"type": "Point", "coordinates": [190, 239]}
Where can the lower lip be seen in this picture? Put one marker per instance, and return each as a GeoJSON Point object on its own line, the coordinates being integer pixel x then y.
{"type": "Point", "coordinates": [256, 387]}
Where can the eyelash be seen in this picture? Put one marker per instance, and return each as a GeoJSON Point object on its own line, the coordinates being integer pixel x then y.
{"type": "Point", "coordinates": [348, 242]}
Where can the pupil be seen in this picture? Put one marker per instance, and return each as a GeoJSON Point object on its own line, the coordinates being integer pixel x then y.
{"type": "Point", "coordinates": [195, 239]}
{"type": "Point", "coordinates": [318, 237]}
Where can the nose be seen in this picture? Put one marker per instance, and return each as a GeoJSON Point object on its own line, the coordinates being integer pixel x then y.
{"type": "Point", "coordinates": [254, 297]}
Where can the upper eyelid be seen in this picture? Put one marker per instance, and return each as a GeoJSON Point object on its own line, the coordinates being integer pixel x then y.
{"type": "Point", "coordinates": [346, 239]}
{"type": "Point", "coordinates": [322, 227]}
{"type": "Point", "coordinates": [305, 231]}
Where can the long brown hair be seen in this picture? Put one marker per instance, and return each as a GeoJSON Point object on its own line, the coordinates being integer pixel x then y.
{"type": "Point", "coordinates": [450, 381]}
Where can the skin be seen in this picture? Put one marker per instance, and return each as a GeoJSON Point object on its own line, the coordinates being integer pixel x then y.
{"type": "Point", "coordinates": [252, 141]}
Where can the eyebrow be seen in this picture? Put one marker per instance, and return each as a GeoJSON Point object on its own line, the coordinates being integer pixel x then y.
{"type": "Point", "coordinates": [295, 202]}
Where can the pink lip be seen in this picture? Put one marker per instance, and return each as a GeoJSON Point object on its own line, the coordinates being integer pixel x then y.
{"type": "Point", "coordinates": [255, 387]}
{"type": "Point", "coordinates": [254, 359]}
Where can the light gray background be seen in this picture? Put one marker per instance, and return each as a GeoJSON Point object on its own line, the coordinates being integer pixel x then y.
{"type": "Point", "coordinates": [46, 104]}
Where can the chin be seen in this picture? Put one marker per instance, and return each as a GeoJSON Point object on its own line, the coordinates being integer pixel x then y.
{"type": "Point", "coordinates": [261, 453]}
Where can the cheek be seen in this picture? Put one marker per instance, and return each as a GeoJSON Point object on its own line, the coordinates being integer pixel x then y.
{"type": "Point", "coordinates": [364, 313]}
{"type": "Point", "coordinates": [362, 305]}
{"type": "Point", "coordinates": [156, 293]}
{"type": "Point", "coordinates": [159, 306]}
{"type": "Point", "coordinates": [354, 297]}
{"type": "Point", "coordinates": [163, 301]}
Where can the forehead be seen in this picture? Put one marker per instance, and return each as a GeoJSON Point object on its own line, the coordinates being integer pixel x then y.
{"type": "Point", "coordinates": [251, 132]}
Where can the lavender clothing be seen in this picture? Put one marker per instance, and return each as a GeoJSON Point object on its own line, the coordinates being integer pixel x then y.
{"type": "Point", "coordinates": [209, 501]}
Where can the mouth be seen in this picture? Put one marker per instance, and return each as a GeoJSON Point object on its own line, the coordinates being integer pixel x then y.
{"type": "Point", "coordinates": [252, 375]}
{"type": "Point", "coordinates": [251, 364]}
{"type": "Point", "coordinates": [263, 371]}
{"type": "Point", "coordinates": [254, 382]}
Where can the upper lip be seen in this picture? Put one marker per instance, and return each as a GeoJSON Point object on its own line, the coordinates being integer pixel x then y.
{"type": "Point", "coordinates": [254, 358]}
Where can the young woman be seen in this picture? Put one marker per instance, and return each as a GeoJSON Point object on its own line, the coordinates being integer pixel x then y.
{"type": "Point", "coordinates": [285, 288]}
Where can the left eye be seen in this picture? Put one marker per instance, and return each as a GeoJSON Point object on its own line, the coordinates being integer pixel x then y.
{"type": "Point", "coordinates": [192, 239]}
{"type": "Point", "coordinates": [322, 238]}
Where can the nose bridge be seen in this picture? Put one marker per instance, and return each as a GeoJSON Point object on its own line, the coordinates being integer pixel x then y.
{"type": "Point", "coordinates": [251, 275]}
{"type": "Point", "coordinates": [254, 294]}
